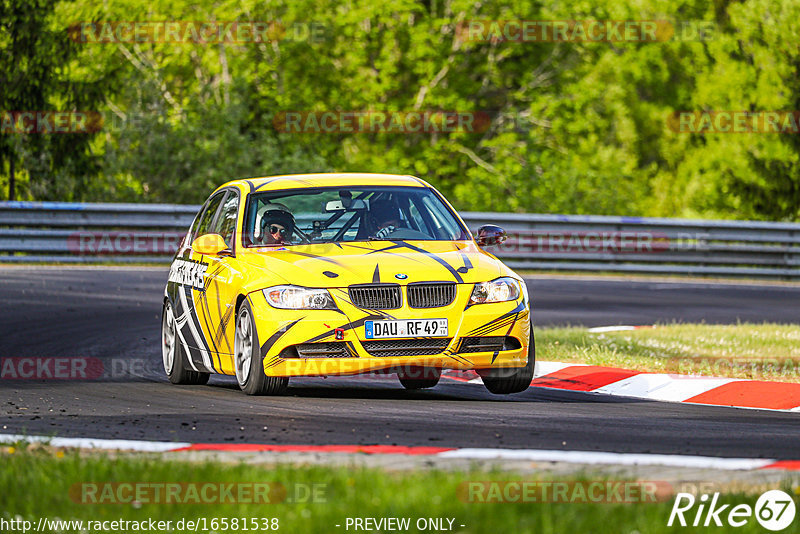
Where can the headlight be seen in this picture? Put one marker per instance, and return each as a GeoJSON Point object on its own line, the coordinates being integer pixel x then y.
{"type": "Point", "coordinates": [500, 290]}
{"type": "Point", "coordinates": [299, 298]}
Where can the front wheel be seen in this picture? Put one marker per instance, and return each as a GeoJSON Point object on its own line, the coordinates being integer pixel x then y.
{"type": "Point", "coordinates": [505, 381]}
{"type": "Point", "coordinates": [172, 353]}
{"type": "Point", "coordinates": [247, 358]}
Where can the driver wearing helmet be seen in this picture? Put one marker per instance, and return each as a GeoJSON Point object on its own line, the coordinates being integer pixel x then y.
{"type": "Point", "coordinates": [385, 217]}
{"type": "Point", "coordinates": [277, 224]}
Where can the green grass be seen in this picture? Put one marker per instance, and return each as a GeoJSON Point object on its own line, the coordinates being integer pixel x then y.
{"type": "Point", "coordinates": [36, 483]}
{"type": "Point", "coordinates": [755, 351]}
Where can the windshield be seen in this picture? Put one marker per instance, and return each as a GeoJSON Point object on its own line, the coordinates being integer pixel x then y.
{"type": "Point", "coordinates": [341, 214]}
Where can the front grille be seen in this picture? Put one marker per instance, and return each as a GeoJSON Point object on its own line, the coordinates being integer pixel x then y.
{"type": "Point", "coordinates": [406, 347]}
{"type": "Point", "coordinates": [376, 296]}
{"type": "Point", "coordinates": [317, 350]}
{"type": "Point", "coordinates": [487, 344]}
{"type": "Point", "coordinates": [431, 295]}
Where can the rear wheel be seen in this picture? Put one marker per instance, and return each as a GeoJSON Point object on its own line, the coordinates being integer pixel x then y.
{"type": "Point", "coordinates": [172, 352]}
{"type": "Point", "coordinates": [247, 358]}
{"type": "Point", "coordinates": [419, 377]}
{"type": "Point", "coordinates": [505, 381]}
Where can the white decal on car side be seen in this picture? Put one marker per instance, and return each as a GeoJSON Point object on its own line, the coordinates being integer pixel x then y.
{"type": "Point", "coordinates": [199, 342]}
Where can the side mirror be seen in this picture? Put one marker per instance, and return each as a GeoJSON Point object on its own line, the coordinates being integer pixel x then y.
{"type": "Point", "coordinates": [209, 244]}
{"type": "Point", "coordinates": [490, 235]}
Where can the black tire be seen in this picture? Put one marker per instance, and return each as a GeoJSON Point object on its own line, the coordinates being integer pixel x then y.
{"type": "Point", "coordinates": [172, 354]}
{"type": "Point", "coordinates": [505, 381]}
{"type": "Point", "coordinates": [247, 358]}
{"type": "Point", "coordinates": [419, 377]}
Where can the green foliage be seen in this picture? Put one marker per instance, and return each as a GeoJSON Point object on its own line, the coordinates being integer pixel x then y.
{"type": "Point", "coordinates": [36, 74]}
{"type": "Point", "coordinates": [576, 127]}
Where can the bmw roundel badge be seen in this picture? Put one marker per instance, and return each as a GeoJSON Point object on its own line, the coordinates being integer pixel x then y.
{"type": "Point", "coordinates": [401, 276]}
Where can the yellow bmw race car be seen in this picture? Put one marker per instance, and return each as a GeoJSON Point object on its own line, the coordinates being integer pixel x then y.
{"type": "Point", "coordinates": [341, 274]}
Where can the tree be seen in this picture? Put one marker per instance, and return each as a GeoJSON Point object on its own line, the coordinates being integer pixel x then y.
{"type": "Point", "coordinates": [35, 75]}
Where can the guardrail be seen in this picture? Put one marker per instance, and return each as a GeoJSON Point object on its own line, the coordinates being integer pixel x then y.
{"type": "Point", "coordinates": [67, 232]}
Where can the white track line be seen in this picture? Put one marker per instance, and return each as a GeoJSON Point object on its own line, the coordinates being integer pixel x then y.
{"type": "Point", "coordinates": [609, 458]}
{"type": "Point", "coordinates": [576, 457]}
{"type": "Point", "coordinates": [92, 443]}
{"type": "Point", "coordinates": [620, 328]}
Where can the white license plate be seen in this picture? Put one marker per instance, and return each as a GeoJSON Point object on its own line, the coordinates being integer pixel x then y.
{"type": "Point", "coordinates": [405, 328]}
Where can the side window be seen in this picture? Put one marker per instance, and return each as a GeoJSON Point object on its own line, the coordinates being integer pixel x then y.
{"type": "Point", "coordinates": [226, 222]}
{"type": "Point", "coordinates": [196, 223]}
{"type": "Point", "coordinates": [207, 217]}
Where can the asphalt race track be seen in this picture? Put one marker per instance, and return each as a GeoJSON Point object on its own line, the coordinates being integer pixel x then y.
{"type": "Point", "coordinates": [113, 315]}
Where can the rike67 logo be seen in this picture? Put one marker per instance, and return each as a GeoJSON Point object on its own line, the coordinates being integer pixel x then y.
{"type": "Point", "coordinates": [774, 510]}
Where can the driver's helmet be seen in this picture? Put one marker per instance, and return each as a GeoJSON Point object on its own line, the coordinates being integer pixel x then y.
{"type": "Point", "coordinates": [383, 211]}
{"type": "Point", "coordinates": [275, 213]}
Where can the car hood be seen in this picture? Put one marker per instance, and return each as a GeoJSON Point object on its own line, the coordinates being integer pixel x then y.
{"type": "Point", "coordinates": [333, 265]}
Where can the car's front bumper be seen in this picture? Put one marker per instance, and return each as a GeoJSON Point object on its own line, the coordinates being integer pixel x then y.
{"type": "Point", "coordinates": [281, 330]}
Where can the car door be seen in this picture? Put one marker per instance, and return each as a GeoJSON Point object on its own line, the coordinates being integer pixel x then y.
{"type": "Point", "coordinates": [223, 279]}
{"type": "Point", "coordinates": [186, 289]}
